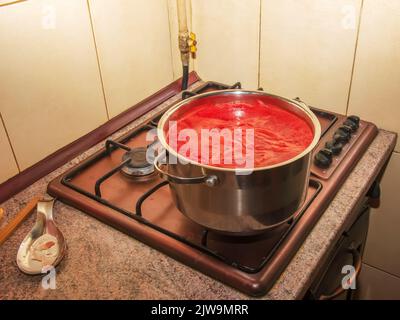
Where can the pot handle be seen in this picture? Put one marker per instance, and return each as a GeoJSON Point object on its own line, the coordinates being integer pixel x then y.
{"type": "Point", "coordinates": [208, 180]}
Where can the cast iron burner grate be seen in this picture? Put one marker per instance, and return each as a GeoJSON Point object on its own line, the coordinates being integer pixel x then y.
{"type": "Point", "coordinates": [204, 244]}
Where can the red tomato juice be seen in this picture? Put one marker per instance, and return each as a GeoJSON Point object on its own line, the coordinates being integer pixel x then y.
{"type": "Point", "coordinates": [279, 134]}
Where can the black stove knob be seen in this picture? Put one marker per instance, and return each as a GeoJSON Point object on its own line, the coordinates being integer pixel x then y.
{"type": "Point", "coordinates": [335, 146]}
{"type": "Point", "coordinates": [347, 129]}
{"type": "Point", "coordinates": [352, 125]}
{"type": "Point", "coordinates": [342, 134]}
{"type": "Point", "coordinates": [323, 158]}
{"type": "Point", "coordinates": [354, 119]}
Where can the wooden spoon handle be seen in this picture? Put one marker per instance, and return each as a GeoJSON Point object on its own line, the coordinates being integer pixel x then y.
{"type": "Point", "coordinates": [1, 215]}
{"type": "Point", "coordinates": [18, 219]}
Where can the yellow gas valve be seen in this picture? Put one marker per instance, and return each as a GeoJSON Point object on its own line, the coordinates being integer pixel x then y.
{"type": "Point", "coordinates": [192, 44]}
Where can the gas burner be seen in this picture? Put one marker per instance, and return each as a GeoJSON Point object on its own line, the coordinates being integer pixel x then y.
{"type": "Point", "coordinates": [138, 168]}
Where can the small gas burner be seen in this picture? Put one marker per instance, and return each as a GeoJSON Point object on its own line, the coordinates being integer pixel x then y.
{"type": "Point", "coordinates": [138, 167]}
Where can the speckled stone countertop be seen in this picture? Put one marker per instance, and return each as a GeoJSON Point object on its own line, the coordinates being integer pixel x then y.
{"type": "Point", "coordinates": [103, 263]}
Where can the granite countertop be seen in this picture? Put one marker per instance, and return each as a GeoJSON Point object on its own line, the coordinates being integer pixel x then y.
{"type": "Point", "coordinates": [103, 263]}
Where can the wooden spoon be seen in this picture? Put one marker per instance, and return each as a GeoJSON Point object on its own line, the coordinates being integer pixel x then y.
{"type": "Point", "coordinates": [17, 220]}
{"type": "Point", "coordinates": [1, 215]}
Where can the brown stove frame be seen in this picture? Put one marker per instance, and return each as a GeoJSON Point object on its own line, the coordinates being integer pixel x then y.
{"type": "Point", "coordinates": [253, 283]}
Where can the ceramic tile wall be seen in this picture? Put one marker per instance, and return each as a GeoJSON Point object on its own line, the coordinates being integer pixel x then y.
{"type": "Point", "coordinates": [376, 81]}
{"type": "Point", "coordinates": [228, 36]}
{"type": "Point", "coordinates": [133, 42]}
{"type": "Point", "coordinates": [307, 49]}
{"type": "Point", "coordinates": [50, 91]}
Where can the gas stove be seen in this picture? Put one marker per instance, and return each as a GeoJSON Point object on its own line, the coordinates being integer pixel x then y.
{"type": "Point", "coordinates": [119, 187]}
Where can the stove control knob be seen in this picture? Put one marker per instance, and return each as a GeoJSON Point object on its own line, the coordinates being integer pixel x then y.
{"type": "Point", "coordinates": [354, 119]}
{"type": "Point", "coordinates": [342, 134]}
{"type": "Point", "coordinates": [323, 158]}
{"type": "Point", "coordinates": [352, 125]}
{"type": "Point", "coordinates": [347, 129]}
{"type": "Point", "coordinates": [334, 146]}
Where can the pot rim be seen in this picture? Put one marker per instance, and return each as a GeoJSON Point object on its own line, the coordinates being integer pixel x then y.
{"type": "Point", "coordinates": [300, 105]}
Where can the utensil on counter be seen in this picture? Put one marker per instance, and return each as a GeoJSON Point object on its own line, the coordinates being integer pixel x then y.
{"type": "Point", "coordinates": [1, 215]}
{"type": "Point", "coordinates": [17, 220]}
{"type": "Point", "coordinates": [44, 245]}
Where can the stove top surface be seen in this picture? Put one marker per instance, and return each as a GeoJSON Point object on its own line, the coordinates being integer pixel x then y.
{"type": "Point", "coordinates": [116, 186]}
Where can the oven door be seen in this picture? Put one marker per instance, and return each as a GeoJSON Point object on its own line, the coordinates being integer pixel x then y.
{"type": "Point", "coordinates": [343, 263]}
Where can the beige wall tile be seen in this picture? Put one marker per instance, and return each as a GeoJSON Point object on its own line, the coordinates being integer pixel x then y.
{"type": "Point", "coordinates": [376, 82]}
{"type": "Point", "coordinates": [307, 49]}
{"type": "Point", "coordinates": [374, 284]}
{"type": "Point", "coordinates": [133, 42]}
{"type": "Point", "coordinates": [383, 246]}
{"type": "Point", "coordinates": [228, 40]}
{"type": "Point", "coordinates": [8, 167]}
{"type": "Point", "coordinates": [50, 91]}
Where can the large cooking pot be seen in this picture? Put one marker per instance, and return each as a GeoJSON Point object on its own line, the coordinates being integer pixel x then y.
{"type": "Point", "coordinates": [226, 200]}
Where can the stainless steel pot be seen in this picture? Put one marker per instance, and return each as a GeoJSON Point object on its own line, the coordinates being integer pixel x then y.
{"type": "Point", "coordinates": [224, 201]}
